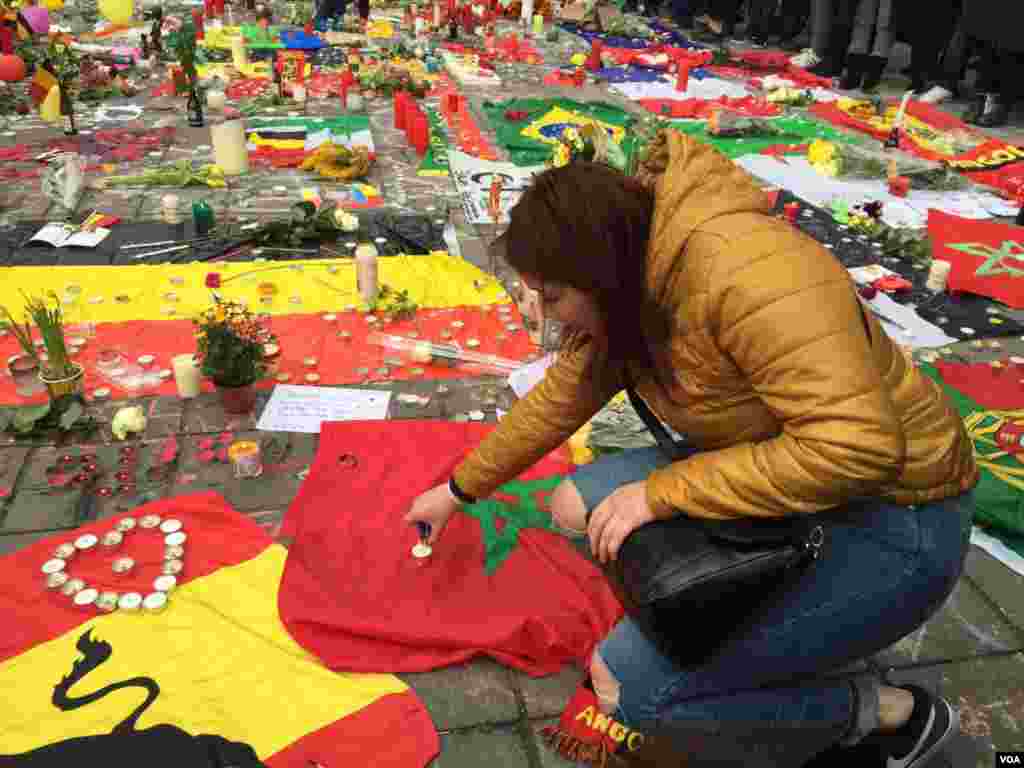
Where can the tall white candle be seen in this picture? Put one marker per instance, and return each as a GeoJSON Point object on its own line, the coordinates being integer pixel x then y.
{"type": "Point", "coordinates": [186, 375]}
{"type": "Point", "coordinates": [216, 101]}
{"type": "Point", "coordinates": [229, 151]}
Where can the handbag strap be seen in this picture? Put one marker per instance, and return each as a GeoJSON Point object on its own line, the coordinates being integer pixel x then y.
{"type": "Point", "coordinates": [668, 446]}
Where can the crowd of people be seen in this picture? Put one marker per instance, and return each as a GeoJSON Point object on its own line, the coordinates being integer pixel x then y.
{"type": "Point", "coordinates": [851, 40]}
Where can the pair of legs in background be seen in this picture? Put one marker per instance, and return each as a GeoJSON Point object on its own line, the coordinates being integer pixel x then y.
{"type": "Point", "coordinates": [883, 571]}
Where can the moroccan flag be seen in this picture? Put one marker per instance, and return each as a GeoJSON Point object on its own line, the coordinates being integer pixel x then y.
{"type": "Point", "coordinates": [930, 133]}
{"type": "Point", "coordinates": [999, 495]}
{"type": "Point", "coordinates": [987, 258]}
{"type": "Point", "coordinates": [529, 140]}
{"type": "Point", "coordinates": [216, 661]}
{"type": "Point", "coordinates": [497, 584]}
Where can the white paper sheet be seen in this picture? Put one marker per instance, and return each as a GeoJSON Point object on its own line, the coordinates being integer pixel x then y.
{"type": "Point", "coordinates": [998, 550]}
{"type": "Point", "coordinates": [708, 88]}
{"type": "Point", "coordinates": [799, 177]}
{"type": "Point", "coordinates": [905, 326]}
{"type": "Point", "coordinates": [526, 378]}
{"type": "Point", "coordinates": [294, 408]}
{"type": "Point", "coordinates": [473, 176]}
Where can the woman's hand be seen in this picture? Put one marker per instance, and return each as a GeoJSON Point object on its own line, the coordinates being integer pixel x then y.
{"type": "Point", "coordinates": [434, 507]}
{"type": "Point", "coordinates": [616, 517]}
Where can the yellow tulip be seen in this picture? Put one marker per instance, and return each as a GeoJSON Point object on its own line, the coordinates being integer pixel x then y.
{"type": "Point", "coordinates": [49, 110]}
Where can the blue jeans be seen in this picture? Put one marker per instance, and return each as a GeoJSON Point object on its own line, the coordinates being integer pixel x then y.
{"type": "Point", "coordinates": [884, 569]}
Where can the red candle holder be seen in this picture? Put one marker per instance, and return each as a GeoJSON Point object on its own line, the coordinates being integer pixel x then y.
{"type": "Point", "coordinates": [899, 186]}
{"type": "Point", "coordinates": [579, 77]}
{"type": "Point", "coordinates": [399, 107]}
{"type": "Point", "coordinates": [422, 134]}
{"type": "Point", "coordinates": [197, 22]}
{"type": "Point", "coordinates": [791, 210]}
{"type": "Point", "coordinates": [594, 59]}
{"type": "Point", "coordinates": [682, 75]}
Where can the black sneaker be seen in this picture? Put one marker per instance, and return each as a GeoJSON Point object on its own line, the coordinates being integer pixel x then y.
{"type": "Point", "coordinates": [932, 723]}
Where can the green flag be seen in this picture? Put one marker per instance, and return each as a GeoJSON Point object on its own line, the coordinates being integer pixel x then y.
{"type": "Point", "coordinates": [1000, 506]}
{"type": "Point", "coordinates": [530, 141]}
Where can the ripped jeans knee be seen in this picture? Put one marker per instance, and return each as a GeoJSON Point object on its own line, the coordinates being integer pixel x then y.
{"type": "Point", "coordinates": [606, 687]}
{"type": "Point", "coordinates": [568, 511]}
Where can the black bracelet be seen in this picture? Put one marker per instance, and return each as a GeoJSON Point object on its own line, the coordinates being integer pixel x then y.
{"type": "Point", "coordinates": [458, 493]}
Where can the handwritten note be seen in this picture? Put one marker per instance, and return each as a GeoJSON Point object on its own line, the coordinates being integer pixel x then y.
{"type": "Point", "coordinates": [303, 409]}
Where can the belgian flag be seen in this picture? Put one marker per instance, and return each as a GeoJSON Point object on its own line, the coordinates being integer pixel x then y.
{"type": "Point", "coordinates": [83, 687]}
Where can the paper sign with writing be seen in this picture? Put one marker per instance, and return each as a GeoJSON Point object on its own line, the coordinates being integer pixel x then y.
{"type": "Point", "coordinates": [295, 408]}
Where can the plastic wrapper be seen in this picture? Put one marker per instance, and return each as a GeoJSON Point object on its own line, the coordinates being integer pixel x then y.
{"type": "Point", "coordinates": [728, 123]}
{"type": "Point", "coordinates": [421, 352]}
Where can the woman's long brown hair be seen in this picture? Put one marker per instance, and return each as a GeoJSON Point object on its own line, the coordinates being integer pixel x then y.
{"type": "Point", "coordinates": [587, 225]}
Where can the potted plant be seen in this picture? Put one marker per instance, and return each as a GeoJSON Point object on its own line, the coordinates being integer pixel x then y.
{"type": "Point", "coordinates": [232, 353]}
{"type": "Point", "coordinates": [61, 376]}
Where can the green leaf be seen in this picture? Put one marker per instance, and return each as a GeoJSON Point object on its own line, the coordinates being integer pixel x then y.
{"type": "Point", "coordinates": [71, 415]}
{"type": "Point", "coordinates": [25, 418]}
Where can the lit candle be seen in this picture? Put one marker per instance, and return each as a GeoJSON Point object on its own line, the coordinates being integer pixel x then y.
{"type": "Point", "coordinates": [186, 375]}
{"type": "Point", "coordinates": [299, 93]}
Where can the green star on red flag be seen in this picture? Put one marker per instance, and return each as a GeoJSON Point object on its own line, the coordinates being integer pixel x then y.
{"type": "Point", "coordinates": [519, 505]}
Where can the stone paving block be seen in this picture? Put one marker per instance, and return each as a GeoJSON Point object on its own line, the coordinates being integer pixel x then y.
{"type": "Point", "coordinates": [475, 693]}
{"type": "Point", "coordinates": [965, 626]}
{"type": "Point", "coordinates": [478, 747]}
{"type": "Point", "coordinates": [990, 697]}
{"type": "Point", "coordinates": [15, 541]}
{"type": "Point", "coordinates": [116, 468]}
{"type": "Point", "coordinates": [1004, 586]}
{"type": "Point", "coordinates": [205, 414]}
{"type": "Point", "coordinates": [11, 462]}
{"type": "Point", "coordinates": [163, 416]}
{"type": "Point", "coordinates": [273, 490]}
{"type": "Point", "coordinates": [547, 696]}
{"type": "Point", "coordinates": [41, 511]}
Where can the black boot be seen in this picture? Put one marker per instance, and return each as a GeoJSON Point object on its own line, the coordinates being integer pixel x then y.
{"type": "Point", "coordinates": [873, 72]}
{"type": "Point", "coordinates": [996, 112]}
{"type": "Point", "coordinates": [974, 109]}
{"type": "Point", "coordinates": [856, 68]}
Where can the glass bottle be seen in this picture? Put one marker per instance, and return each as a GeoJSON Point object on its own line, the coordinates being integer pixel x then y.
{"type": "Point", "coordinates": [67, 111]}
{"type": "Point", "coordinates": [194, 107]}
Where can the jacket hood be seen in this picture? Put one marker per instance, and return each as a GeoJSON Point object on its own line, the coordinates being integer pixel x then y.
{"type": "Point", "coordinates": [692, 183]}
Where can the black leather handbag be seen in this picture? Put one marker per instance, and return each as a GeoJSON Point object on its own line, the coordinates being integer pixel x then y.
{"type": "Point", "coordinates": [692, 584]}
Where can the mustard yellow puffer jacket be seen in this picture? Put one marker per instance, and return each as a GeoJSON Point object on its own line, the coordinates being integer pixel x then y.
{"type": "Point", "coordinates": [772, 373]}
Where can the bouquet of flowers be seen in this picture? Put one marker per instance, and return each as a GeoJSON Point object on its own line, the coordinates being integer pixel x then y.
{"type": "Point", "coordinates": [177, 174]}
{"type": "Point", "coordinates": [231, 344]}
{"type": "Point", "coordinates": [854, 161]}
{"type": "Point", "coordinates": [591, 144]}
{"type": "Point", "coordinates": [730, 124]}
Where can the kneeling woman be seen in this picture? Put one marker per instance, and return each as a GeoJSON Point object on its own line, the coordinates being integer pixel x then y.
{"type": "Point", "coordinates": [747, 337]}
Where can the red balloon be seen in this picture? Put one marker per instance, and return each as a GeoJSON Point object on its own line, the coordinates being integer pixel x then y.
{"type": "Point", "coordinates": [12, 68]}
